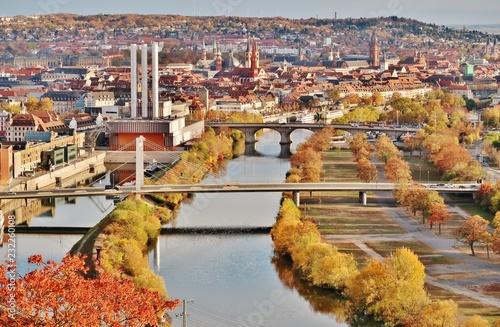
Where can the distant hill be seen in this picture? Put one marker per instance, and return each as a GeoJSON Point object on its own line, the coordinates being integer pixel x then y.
{"type": "Point", "coordinates": [486, 28]}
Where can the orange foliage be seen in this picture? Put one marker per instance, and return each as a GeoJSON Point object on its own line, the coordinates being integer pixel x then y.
{"type": "Point", "coordinates": [58, 295]}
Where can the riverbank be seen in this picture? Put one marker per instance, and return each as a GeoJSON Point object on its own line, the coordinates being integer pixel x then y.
{"type": "Point", "coordinates": [376, 230]}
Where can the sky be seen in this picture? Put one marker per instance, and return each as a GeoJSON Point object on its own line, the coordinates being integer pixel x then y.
{"type": "Point", "coordinates": [440, 12]}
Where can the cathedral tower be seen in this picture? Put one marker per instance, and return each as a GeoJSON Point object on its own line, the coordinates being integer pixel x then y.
{"type": "Point", "coordinates": [374, 51]}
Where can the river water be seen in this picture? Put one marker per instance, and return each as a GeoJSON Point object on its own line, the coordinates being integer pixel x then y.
{"type": "Point", "coordinates": [232, 280]}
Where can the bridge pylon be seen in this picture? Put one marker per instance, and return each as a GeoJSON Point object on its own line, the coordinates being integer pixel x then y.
{"type": "Point", "coordinates": [139, 163]}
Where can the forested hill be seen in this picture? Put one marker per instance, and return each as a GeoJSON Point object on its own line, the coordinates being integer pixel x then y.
{"type": "Point", "coordinates": [390, 29]}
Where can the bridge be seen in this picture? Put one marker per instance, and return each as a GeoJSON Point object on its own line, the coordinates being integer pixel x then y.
{"type": "Point", "coordinates": [286, 130]}
{"type": "Point", "coordinates": [295, 188]}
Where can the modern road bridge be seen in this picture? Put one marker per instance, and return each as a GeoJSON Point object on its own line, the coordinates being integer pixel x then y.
{"type": "Point", "coordinates": [295, 188]}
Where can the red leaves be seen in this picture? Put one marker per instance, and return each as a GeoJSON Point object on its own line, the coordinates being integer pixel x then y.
{"type": "Point", "coordinates": [58, 295]}
{"type": "Point", "coordinates": [35, 259]}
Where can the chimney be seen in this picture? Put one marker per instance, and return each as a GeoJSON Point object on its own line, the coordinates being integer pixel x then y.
{"type": "Point", "coordinates": [133, 80]}
{"type": "Point", "coordinates": [144, 87]}
{"type": "Point", "coordinates": [154, 82]}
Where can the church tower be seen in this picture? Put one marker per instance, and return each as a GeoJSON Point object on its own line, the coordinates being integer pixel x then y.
{"type": "Point", "coordinates": [374, 51]}
{"type": "Point", "coordinates": [255, 56]}
{"type": "Point", "coordinates": [203, 51]}
{"type": "Point", "coordinates": [301, 54]}
{"type": "Point", "coordinates": [218, 62]}
{"type": "Point", "coordinates": [248, 54]}
{"type": "Point", "coordinates": [330, 54]}
{"type": "Point", "coordinates": [214, 49]}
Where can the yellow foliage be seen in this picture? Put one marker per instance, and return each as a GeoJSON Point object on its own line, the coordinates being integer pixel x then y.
{"type": "Point", "coordinates": [476, 321]}
{"type": "Point", "coordinates": [436, 314]}
{"type": "Point", "coordinates": [333, 270]}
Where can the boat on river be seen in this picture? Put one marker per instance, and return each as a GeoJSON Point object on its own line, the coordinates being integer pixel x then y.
{"type": "Point", "coordinates": [307, 118]}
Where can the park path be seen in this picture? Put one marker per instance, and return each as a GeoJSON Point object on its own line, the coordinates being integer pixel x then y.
{"type": "Point", "coordinates": [486, 272]}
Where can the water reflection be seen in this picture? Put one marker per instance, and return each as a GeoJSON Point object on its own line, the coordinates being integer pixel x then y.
{"type": "Point", "coordinates": [232, 282]}
{"type": "Point", "coordinates": [321, 300]}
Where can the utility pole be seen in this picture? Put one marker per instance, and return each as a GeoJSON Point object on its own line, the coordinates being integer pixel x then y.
{"type": "Point", "coordinates": [184, 313]}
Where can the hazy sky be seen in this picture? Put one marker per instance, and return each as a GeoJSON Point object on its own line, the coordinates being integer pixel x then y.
{"type": "Point", "coordinates": [441, 12]}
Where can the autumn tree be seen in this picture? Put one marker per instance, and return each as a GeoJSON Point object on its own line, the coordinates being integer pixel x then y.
{"type": "Point", "coordinates": [393, 290]}
{"type": "Point", "coordinates": [58, 295]}
{"type": "Point", "coordinates": [472, 231]}
{"type": "Point", "coordinates": [359, 141]}
{"type": "Point", "coordinates": [386, 149]}
{"type": "Point", "coordinates": [437, 314]}
{"type": "Point", "coordinates": [31, 103]}
{"type": "Point", "coordinates": [308, 162]}
{"type": "Point", "coordinates": [421, 199]}
{"type": "Point", "coordinates": [397, 170]}
{"type": "Point", "coordinates": [367, 171]}
{"type": "Point", "coordinates": [449, 156]}
{"type": "Point", "coordinates": [438, 215]}
{"type": "Point", "coordinates": [45, 104]}
{"type": "Point", "coordinates": [476, 321]}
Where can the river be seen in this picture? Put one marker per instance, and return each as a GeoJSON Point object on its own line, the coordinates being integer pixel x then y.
{"type": "Point", "coordinates": [233, 280]}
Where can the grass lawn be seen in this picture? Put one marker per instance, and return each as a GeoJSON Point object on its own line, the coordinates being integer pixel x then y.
{"type": "Point", "coordinates": [473, 209]}
{"type": "Point", "coordinates": [422, 170]}
{"type": "Point", "coordinates": [339, 213]}
{"type": "Point", "coordinates": [386, 248]}
{"type": "Point", "coordinates": [342, 219]}
{"type": "Point", "coordinates": [339, 166]}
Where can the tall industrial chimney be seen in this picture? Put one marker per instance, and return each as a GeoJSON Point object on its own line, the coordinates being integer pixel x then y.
{"type": "Point", "coordinates": [154, 82]}
{"type": "Point", "coordinates": [133, 80]}
{"type": "Point", "coordinates": [144, 88]}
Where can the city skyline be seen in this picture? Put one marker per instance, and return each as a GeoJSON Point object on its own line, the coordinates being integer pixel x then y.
{"type": "Point", "coordinates": [446, 12]}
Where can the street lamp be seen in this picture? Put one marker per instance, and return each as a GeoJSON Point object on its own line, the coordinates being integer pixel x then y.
{"type": "Point", "coordinates": [427, 176]}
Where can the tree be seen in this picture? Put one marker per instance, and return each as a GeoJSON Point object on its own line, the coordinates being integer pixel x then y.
{"type": "Point", "coordinates": [414, 142]}
{"type": "Point", "coordinates": [358, 142]}
{"type": "Point", "coordinates": [58, 295]}
{"type": "Point", "coordinates": [366, 170]}
{"type": "Point", "coordinates": [472, 231]}
{"type": "Point", "coordinates": [386, 149]}
{"type": "Point", "coordinates": [45, 104]}
{"type": "Point", "coordinates": [421, 199]}
{"type": "Point", "coordinates": [31, 103]}
{"type": "Point", "coordinates": [392, 290]}
{"type": "Point", "coordinates": [438, 215]}
{"type": "Point", "coordinates": [437, 314]}
{"type": "Point", "coordinates": [397, 170]}
{"type": "Point", "coordinates": [476, 321]}
{"type": "Point", "coordinates": [487, 238]}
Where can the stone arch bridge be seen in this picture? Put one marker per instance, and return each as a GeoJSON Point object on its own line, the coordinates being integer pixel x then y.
{"type": "Point", "coordinates": [286, 130]}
